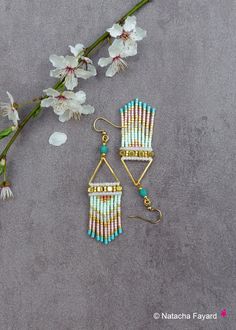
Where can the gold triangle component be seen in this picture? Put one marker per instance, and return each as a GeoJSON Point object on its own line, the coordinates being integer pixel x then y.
{"type": "Point", "coordinates": [136, 182]}
{"type": "Point", "coordinates": [103, 160]}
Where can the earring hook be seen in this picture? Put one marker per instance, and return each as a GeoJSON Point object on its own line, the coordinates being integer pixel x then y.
{"type": "Point", "coordinates": [153, 222]}
{"type": "Point", "coordinates": [148, 205]}
{"type": "Point", "coordinates": [107, 121]}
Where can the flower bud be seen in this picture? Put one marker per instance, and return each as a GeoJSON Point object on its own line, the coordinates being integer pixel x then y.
{"type": "Point", "coordinates": [3, 162]}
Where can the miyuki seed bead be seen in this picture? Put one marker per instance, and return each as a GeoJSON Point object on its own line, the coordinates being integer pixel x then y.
{"type": "Point", "coordinates": [143, 192]}
{"type": "Point", "coordinates": [104, 149]}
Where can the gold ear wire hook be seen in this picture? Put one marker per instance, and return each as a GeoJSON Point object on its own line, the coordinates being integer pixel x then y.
{"type": "Point", "coordinates": [107, 121]}
{"type": "Point", "coordinates": [148, 205]}
{"type": "Point", "coordinates": [153, 222]}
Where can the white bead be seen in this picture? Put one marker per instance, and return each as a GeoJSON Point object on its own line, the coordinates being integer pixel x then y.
{"type": "Point", "coordinates": [105, 193]}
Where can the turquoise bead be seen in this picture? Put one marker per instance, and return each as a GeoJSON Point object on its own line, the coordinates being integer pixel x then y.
{"type": "Point", "coordinates": [112, 237]}
{"type": "Point", "coordinates": [116, 233]}
{"type": "Point", "coordinates": [120, 230]}
{"type": "Point", "coordinates": [143, 192]}
{"type": "Point", "coordinates": [89, 232]}
{"type": "Point", "coordinates": [106, 241]}
{"type": "Point", "coordinates": [93, 235]}
{"type": "Point", "coordinates": [104, 149]}
{"type": "Point", "coordinates": [101, 239]}
{"type": "Point", "coordinates": [98, 238]}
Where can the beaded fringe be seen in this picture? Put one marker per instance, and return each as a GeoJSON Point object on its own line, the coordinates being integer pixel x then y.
{"type": "Point", "coordinates": [105, 215]}
{"type": "Point", "coordinates": [137, 121]}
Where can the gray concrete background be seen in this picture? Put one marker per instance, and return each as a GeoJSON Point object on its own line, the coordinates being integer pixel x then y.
{"type": "Point", "coordinates": [52, 276]}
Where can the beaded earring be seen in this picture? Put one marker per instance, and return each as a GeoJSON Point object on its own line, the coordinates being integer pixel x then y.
{"type": "Point", "coordinates": [137, 122]}
{"type": "Point", "coordinates": [105, 198]}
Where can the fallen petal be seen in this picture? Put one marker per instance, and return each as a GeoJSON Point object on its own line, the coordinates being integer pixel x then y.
{"type": "Point", "coordinates": [57, 139]}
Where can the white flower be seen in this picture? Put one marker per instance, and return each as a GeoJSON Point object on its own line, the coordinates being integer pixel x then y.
{"type": "Point", "coordinates": [9, 110]}
{"type": "Point", "coordinates": [128, 34]}
{"type": "Point", "coordinates": [57, 139]}
{"type": "Point", "coordinates": [116, 60]}
{"type": "Point", "coordinates": [6, 192]}
{"type": "Point", "coordinates": [65, 68]}
{"type": "Point", "coordinates": [85, 68]}
{"type": "Point", "coordinates": [70, 67]}
{"type": "Point", "coordinates": [67, 104]}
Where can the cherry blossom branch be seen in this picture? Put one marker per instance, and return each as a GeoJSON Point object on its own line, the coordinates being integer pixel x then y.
{"type": "Point", "coordinates": [68, 70]}
{"type": "Point", "coordinates": [60, 84]}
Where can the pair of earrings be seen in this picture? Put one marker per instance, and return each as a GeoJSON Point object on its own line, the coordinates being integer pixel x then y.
{"type": "Point", "coordinates": [137, 122]}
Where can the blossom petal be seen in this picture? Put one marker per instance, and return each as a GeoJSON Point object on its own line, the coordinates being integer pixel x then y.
{"type": "Point", "coordinates": [130, 23]}
{"type": "Point", "coordinates": [71, 81]}
{"type": "Point", "coordinates": [57, 61]}
{"type": "Point", "coordinates": [85, 74]}
{"type": "Point", "coordinates": [67, 115]}
{"type": "Point", "coordinates": [57, 73]}
{"type": "Point", "coordinates": [130, 48]}
{"type": "Point", "coordinates": [13, 115]}
{"type": "Point", "coordinates": [48, 102]}
{"type": "Point", "coordinates": [58, 108]}
{"type": "Point", "coordinates": [10, 98]}
{"type": "Point", "coordinates": [71, 61]}
{"type": "Point", "coordinates": [51, 92]}
{"type": "Point", "coordinates": [87, 109]}
{"type": "Point", "coordinates": [92, 69]}
{"type": "Point", "coordinates": [138, 34]}
{"type": "Point", "coordinates": [77, 49]}
{"type": "Point", "coordinates": [116, 48]}
{"type": "Point", "coordinates": [68, 94]}
{"type": "Point", "coordinates": [112, 70]}
{"type": "Point", "coordinates": [57, 139]}
{"type": "Point", "coordinates": [80, 96]}
{"type": "Point", "coordinates": [104, 61]}
{"type": "Point", "coordinates": [75, 106]}
{"type": "Point", "coordinates": [116, 30]}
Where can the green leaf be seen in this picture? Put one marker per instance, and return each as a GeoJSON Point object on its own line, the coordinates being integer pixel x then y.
{"type": "Point", "coordinates": [61, 88]}
{"type": "Point", "coordinates": [5, 132]}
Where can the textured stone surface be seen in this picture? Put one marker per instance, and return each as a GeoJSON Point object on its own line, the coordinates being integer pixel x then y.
{"type": "Point", "coordinates": [52, 276]}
